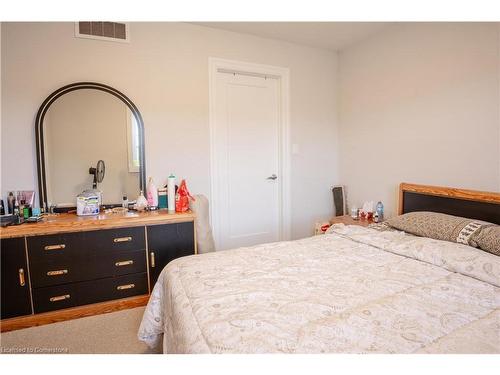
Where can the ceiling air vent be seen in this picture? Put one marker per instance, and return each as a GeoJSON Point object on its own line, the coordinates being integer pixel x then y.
{"type": "Point", "coordinates": [112, 31]}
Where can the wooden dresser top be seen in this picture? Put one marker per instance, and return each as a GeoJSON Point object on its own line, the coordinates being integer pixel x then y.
{"type": "Point", "coordinates": [63, 223]}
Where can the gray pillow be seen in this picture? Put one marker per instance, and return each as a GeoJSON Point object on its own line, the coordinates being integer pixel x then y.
{"type": "Point", "coordinates": [487, 238]}
{"type": "Point", "coordinates": [444, 227]}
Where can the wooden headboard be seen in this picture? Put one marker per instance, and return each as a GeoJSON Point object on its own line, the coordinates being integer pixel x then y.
{"type": "Point", "coordinates": [479, 205]}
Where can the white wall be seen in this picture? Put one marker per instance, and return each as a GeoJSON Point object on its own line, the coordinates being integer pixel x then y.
{"type": "Point", "coordinates": [420, 103]}
{"type": "Point", "coordinates": [164, 70]}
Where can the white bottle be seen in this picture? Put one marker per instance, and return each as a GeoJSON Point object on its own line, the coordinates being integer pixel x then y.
{"type": "Point", "coordinates": [152, 194]}
{"type": "Point", "coordinates": [171, 193]}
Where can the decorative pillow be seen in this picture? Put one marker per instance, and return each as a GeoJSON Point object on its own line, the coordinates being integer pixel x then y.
{"type": "Point", "coordinates": [487, 239]}
{"type": "Point", "coordinates": [384, 227]}
{"type": "Point", "coordinates": [439, 226]}
{"type": "Point", "coordinates": [430, 224]}
{"type": "Point", "coordinates": [467, 232]}
{"type": "Point", "coordinates": [381, 227]}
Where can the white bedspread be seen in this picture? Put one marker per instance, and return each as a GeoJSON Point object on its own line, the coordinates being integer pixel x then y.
{"type": "Point", "coordinates": [354, 290]}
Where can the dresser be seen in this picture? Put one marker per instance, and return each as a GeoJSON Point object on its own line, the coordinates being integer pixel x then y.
{"type": "Point", "coordinates": [68, 266]}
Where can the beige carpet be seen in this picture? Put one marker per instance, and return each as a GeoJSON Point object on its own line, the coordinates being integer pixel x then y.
{"type": "Point", "coordinates": [107, 333]}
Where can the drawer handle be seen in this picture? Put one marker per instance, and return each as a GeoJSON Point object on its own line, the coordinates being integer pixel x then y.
{"type": "Point", "coordinates": [127, 286]}
{"type": "Point", "coordinates": [60, 298]}
{"type": "Point", "coordinates": [124, 263]}
{"type": "Point", "coordinates": [122, 239]}
{"type": "Point", "coordinates": [22, 280]}
{"type": "Point", "coordinates": [57, 273]}
{"type": "Point", "coordinates": [152, 258]}
{"type": "Point", "coordinates": [55, 247]}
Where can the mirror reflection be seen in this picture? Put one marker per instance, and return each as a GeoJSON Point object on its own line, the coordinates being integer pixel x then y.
{"type": "Point", "coordinates": [80, 128]}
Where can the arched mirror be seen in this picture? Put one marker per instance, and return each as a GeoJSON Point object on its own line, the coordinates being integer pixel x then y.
{"type": "Point", "coordinates": [77, 126]}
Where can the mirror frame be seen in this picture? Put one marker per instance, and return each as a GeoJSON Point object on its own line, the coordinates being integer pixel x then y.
{"type": "Point", "coordinates": [40, 151]}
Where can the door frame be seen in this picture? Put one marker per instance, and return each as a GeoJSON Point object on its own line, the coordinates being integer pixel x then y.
{"type": "Point", "coordinates": [282, 74]}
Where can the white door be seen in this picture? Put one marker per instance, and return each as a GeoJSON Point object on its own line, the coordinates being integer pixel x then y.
{"type": "Point", "coordinates": [246, 152]}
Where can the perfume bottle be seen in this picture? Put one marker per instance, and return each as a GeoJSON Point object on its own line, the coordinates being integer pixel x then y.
{"type": "Point", "coordinates": [18, 216]}
{"type": "Point", "coordinates": [15, 211]}
{"type": "Point", "coordinates": [10, 203]}
{"type": "Point", "coordinates": [125, 202]}
{"type": "Point", "coordinates": [380, 211]}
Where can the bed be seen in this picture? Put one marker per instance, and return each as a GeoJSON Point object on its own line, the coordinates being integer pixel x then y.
{"type": "Point", "coordinates": [352, 290]}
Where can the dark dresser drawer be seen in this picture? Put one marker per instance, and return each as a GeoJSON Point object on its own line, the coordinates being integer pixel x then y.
{"type": "Point", "coordinates": [59, 271]}
{"type": "Point", "coordinates": [84, 244]}
{"type": "Point", "coordinates": [87, 292]}
{"type": "Point", "coordinates": [113, 240]}
{"type": "Point", "coordinates": [55, 246]}
{"type": "Point", "coordinates": [56, 271]}
{"type": "Point", "coordinates": [114, 264]}
{"type": "Point", "coordinates": [112, 288]}
{"type": "Point", "coordinates": [54, 298]}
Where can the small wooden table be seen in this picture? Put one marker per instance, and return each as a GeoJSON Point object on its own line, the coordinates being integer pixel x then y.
{"type": "Point", "coordinates": [348, 220]}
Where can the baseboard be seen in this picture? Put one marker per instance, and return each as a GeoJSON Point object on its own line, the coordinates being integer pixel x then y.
{"type": "Point", "coordinates": [72, 313]}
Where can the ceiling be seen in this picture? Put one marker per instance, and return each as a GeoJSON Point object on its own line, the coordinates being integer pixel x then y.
{"type": "Point", "coordinates": [328, 35]}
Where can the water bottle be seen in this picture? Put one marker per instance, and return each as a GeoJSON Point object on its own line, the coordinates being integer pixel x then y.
{"type": "Point", "coordinates": [171, 194]}
{"type": "Point", "coordinates": [380, 211]}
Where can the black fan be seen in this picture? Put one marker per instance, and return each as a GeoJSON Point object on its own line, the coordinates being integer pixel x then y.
{"type": "Point", "coordinates": [98, 173]}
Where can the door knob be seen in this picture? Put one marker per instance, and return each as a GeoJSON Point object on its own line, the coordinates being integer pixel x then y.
{"type": "Point", "coordinates": [272, 177]}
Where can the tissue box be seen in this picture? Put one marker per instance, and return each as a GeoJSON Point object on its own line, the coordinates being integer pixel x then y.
{"type": "Point", "coordinates": [87, 203]}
